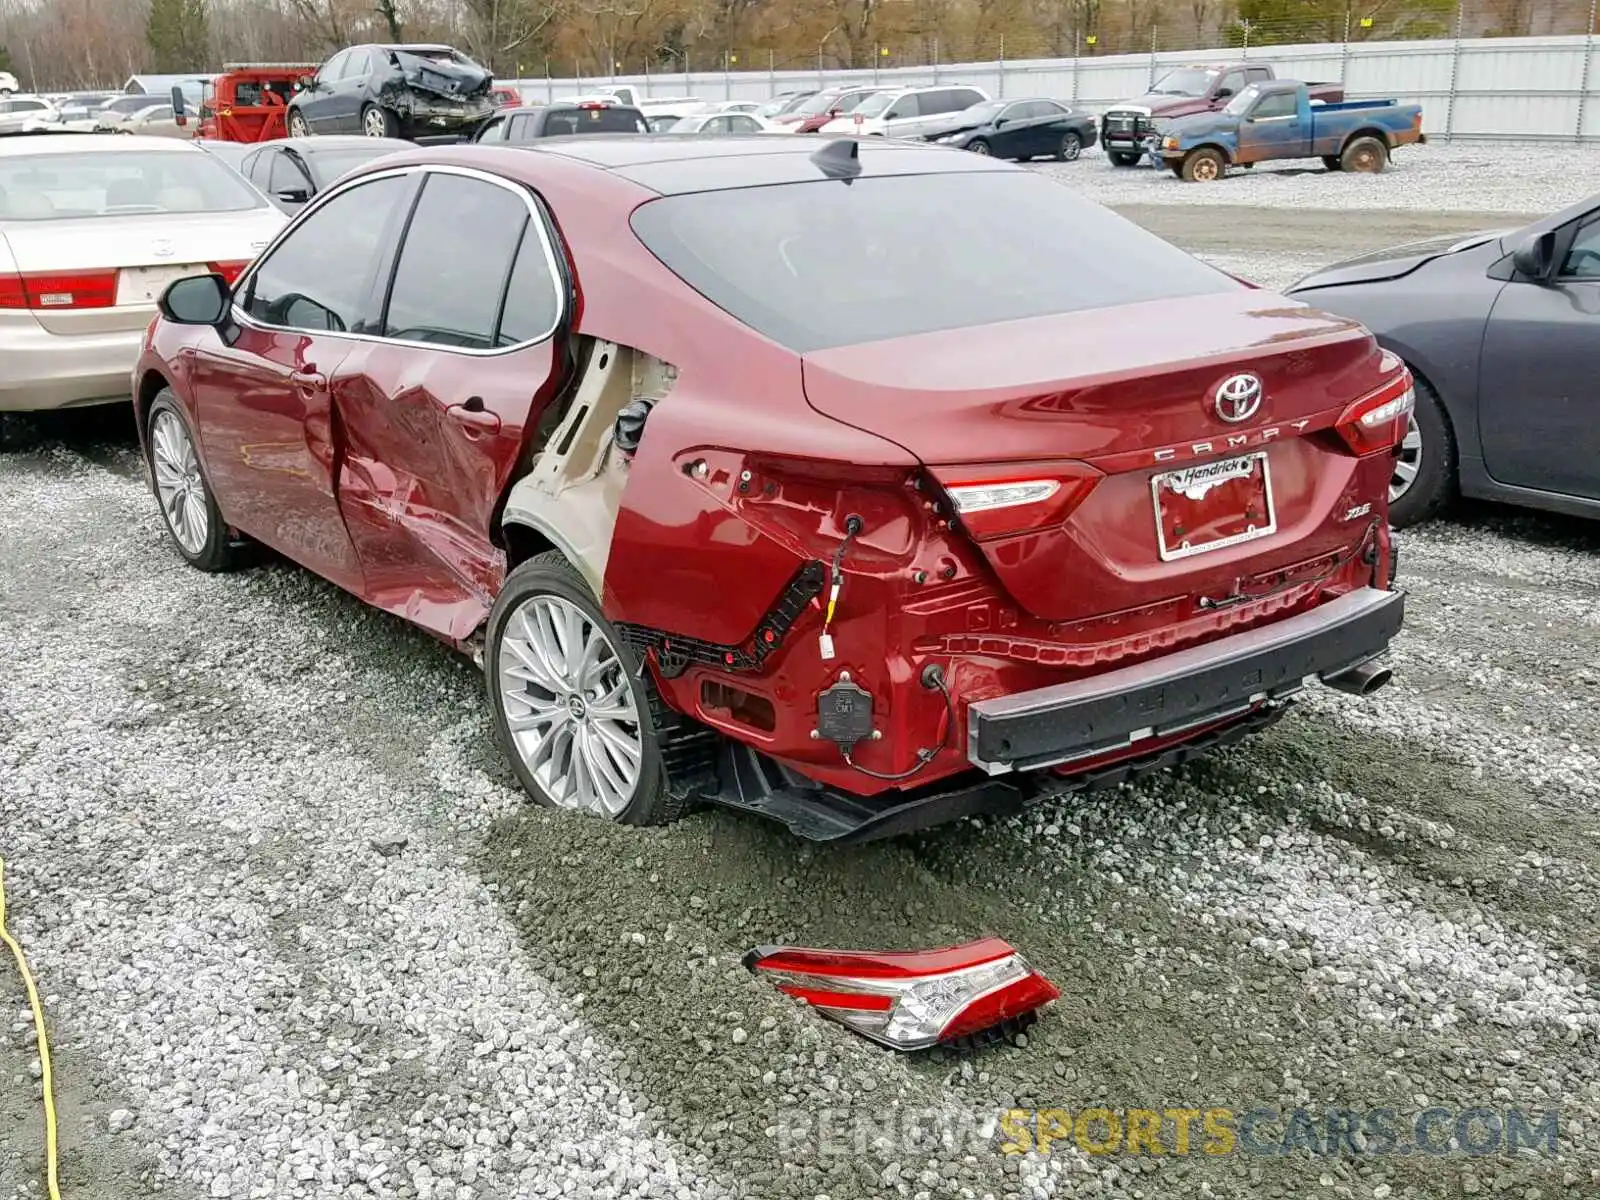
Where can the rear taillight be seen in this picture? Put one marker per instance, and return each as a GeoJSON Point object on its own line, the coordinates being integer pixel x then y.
{"type": "Point", "coordinates": [43, 291]}
{"type": "Point", "coordinates": [230, 271]}
{"type": "Point", "coordinates": [1377, 422]}
{"type": "Point", "coordinates": [910, 1000]}
{"type": "Point", "coordinates": [1001, 499]}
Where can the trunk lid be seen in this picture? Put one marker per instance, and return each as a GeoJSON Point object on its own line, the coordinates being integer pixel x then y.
{"type": "Point", "coordinates": [153, 246]}
{"type": "Point", "coordinates": [443, 76]}
{"type": "Point", "coordinates": [1130, 392]}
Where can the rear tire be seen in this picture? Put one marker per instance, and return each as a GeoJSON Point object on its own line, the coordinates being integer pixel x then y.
{"type": "Point", "coordinates": [1120, 158]}
{"type": "Point", "coordinates": [1071, 146]}
{"type": "Point", "coordinates": [1204, 165]}
{"type": "Point", "coordinates": [1424, 480]}
{"type": "Point", "coordinates": [550, 653]}
{"type": "Point", "coordinates": [378, 122]}
{"type": "Point", "coordinates": [1366, 155]}
{"type": "Point", "coordinates": [183, 493]}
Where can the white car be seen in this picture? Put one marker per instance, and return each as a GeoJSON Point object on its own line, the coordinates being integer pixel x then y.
{"type": "Point", "coordinates": [8, 84]}
{"type": "Point", "coordinates": [26, 113]}
{"type": "Point", "coordinates": [92, 230]}
{"type": "Point", "coordinates": [722, 122]}
{"type": "Point", "coordinates": [907, 112]}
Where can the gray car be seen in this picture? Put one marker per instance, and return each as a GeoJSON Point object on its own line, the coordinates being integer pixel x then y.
{"type": "Point", "coordinates": [1502, 332]}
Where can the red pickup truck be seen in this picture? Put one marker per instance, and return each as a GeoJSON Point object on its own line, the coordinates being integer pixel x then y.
{"type": "Point", "coordinates": [1181, 92]}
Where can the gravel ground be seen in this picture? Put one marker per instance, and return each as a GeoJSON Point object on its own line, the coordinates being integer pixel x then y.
{"type": "Point", "coordinates": [299, 937]}
{"type": "Point", "coordinates": [1477, 177]}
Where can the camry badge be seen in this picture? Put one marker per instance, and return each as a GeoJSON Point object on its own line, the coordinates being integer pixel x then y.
{"type": "Point", "coordinates": [1238, 398]}
{"type": "Point", "coordinates": [161, 248]}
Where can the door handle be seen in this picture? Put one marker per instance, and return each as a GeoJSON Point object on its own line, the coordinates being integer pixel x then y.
{"type": "Point", "coordinates": [308, 383]}
{"type": "Point", "coordinates": [474, 415]}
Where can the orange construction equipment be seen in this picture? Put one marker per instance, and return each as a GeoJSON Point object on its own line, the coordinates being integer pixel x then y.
{"type": "Point", "coordinates": [249, 101]}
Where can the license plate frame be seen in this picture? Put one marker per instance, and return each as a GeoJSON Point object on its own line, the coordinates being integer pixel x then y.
{"type": "Point", "coordinates": [1223, 472]}
{"type": "Point", "coordinates": [144, 285]}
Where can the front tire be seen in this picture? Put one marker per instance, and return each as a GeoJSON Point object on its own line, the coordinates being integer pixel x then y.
{"type": "Point", "coordinates": [1424, 479]}
{"type": "Point", "coordinates": [188, 506]}
{"type": "Point", "coordinates": [378, 122]}
{"type": "Point", "coordinates": [571, 708]}
{"type": "Point", "coordinates": [297, 125]}
{"type": "Point", "coordinates": [1120, 158]}
{"type": "Point", "coordinates": [978, 146]}
{"type": "Point", "coordinates": [1204, 165]}
{"type": "Point", "coordinates": [1071, 146]}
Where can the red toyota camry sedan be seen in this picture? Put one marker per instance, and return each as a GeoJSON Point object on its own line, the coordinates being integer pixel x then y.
{"type": "Point", "coordinates": [861, 485]}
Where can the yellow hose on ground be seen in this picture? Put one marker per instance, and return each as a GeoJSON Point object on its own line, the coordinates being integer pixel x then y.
{"type": "Point", "coordinates": [44, 1044]}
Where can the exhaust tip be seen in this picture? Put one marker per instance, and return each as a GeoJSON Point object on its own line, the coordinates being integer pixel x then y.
{"type": "Point", "coordinates": [1360, 681]}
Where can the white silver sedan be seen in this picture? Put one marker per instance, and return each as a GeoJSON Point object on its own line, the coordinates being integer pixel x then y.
{"type": "Point", "coordinates": [92, 230]}
{"type": "Point", "coordinates": [722, 122]}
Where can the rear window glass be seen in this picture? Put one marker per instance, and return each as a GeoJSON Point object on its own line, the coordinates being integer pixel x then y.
{"type": "Point", "coordinates": [43, 187]}
{"type": "Point", "coordinates": [821, 264]}
{"type": "Point", "coordinates": [594, 120]}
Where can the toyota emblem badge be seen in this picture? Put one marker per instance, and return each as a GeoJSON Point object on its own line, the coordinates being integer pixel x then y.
{"type": "Point", "coordinates": [1238, 398]}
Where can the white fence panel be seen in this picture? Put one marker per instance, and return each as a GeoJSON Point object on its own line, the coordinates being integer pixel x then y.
{"type": "Point", "coordinates": [1535, 88]}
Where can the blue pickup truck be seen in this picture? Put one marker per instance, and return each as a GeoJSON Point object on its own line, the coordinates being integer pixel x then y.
{"type": "Point", "coordinates": [1277, 119]}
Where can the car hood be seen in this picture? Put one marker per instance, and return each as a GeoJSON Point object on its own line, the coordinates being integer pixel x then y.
{"type": "Point", "coordinates": [1395, 261]}
{"type": "Point", "coordinates": [460, 81]}
{"type": "Point", "coordinates": [1199, 124]}
{"type": "Point", "coordinates": [1163, 106]}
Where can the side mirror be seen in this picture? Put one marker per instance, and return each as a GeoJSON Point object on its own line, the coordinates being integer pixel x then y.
{"type": "Point", "coordinates": [198, 300]}
{"type": "Point", "coordinates": [292, 195]}
{"type": "Point", "coordinates": [1532, 258]}
{"type": "Point", "coordinates": [305, 83]}
{"type": "Point", "coordinates": [1002, 122]}
{"type": "Point", "coordinates": [1224, 93]}
{"type": "Point", "coordinates": [179, 111]}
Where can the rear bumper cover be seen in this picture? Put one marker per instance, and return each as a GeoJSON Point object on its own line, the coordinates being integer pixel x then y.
{"type": "Point", "coordinates": [1069, 722]}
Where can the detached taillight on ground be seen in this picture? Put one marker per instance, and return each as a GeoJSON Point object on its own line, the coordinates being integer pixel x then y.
{"type": "Point", "coordinates": [911, 999]}
{"type": "Point", "coordinates": [1378, 421]}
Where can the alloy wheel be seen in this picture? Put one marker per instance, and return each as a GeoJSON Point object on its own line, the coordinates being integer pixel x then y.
{"type": "Point", "coordinates": [1408, 462]}
{"type": "Point", "coordinates": [1205, 170]}
{"type": "Point", "coordinates": [979, 147]}
{"type": "Point", "coordinates": [179, 485]}
{"type": "Point", "coordinates": [569, 706]}
{"type": "Point", "coordinates": [373, 124]}
{"type": "Point", "coordinates": [297, 125]}
{"type": "Point", "coordinates": [1071, 147]}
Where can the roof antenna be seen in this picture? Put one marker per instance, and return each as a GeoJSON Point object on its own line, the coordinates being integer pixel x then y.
{"type": "Point", "coordinates": [840, 159]}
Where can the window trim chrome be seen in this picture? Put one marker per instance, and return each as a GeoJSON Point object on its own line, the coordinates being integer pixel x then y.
{"type": "Point", "coordinates": [536, 217]}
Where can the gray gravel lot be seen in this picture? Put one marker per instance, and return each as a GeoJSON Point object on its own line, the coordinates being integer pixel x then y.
{"type": "Point", "coordinates": [299, 936]}
{"type": "Point", "coordinates": [1456, 177]}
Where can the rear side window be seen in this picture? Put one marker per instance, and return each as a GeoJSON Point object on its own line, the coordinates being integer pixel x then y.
{"type": "Point", "coordinates": [451, 277]}
{"type": "Point", "coordinates": [533, 297]}
{"type": "Point", "coordinates": [319, 277]}
{"type": "Point", "coordinates": [594, 120]}
{"type": "Point", "coordinates": [822, 264]}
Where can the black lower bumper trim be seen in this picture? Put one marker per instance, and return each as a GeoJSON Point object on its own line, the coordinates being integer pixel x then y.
{"type": "Point", "coordinates": [752, 782]}
{"type": "Point", "coordinates": [1187, 689]}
